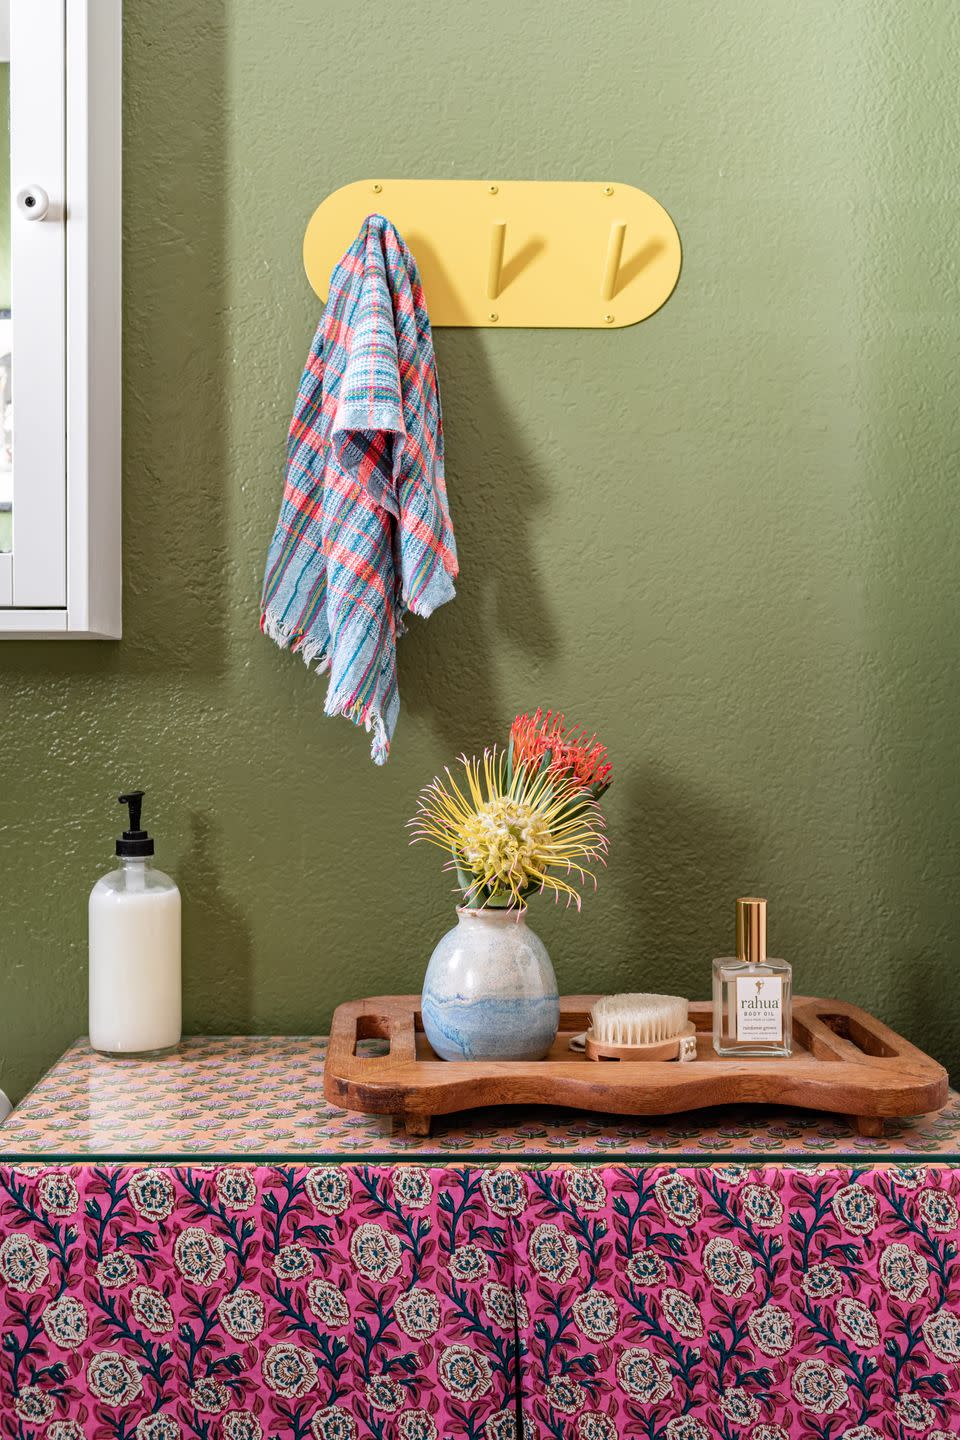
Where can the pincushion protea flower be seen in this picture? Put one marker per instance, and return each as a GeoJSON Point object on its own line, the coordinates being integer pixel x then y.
{"type": "Point", "coordinates": [545, 740]}
{"type": "Point", "coordinates": [517, 830]}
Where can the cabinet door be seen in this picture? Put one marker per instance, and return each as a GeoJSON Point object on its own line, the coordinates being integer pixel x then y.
{"type": "Point", "coordinates": [33, 566]}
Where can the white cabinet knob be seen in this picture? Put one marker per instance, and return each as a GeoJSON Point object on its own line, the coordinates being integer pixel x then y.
{"type": "Point", "coordinates": [34, 202]}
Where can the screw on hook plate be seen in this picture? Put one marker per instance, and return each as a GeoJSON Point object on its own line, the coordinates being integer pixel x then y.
{"type": "Point", "coordinates": [608, 319]}
{"type": "Point", "coordinates": [494, 190]}
{"type": "Point", "coordinates": [608, 189]}
{"type": "Point", "coordinates": [494, 315]}
{"type": "Point", "coordinates": [377, 188]}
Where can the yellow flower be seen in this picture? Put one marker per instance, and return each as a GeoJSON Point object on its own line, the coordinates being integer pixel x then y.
{"type": "Point", "coordinates": [513, 832]}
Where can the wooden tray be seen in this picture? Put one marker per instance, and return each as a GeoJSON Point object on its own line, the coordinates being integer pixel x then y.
{"type": "Point", "coordinates": [843, 1061]}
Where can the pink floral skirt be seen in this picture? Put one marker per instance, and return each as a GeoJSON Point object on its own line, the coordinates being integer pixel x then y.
{"type": "Point", "coordinates": [234, 1302]}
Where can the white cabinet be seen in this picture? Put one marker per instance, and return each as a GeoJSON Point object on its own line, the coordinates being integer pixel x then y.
{"type": "Point", "coordinates": [60, 321]}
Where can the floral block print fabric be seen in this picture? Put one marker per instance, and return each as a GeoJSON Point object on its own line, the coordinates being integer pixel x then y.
{"type": "Point", "coordinates": [778, 1303]}
{"type": "Point", "coordinates": [581, 1303]}
{"type": "Point", "coordinates": [235, 1302]}
{"type": "Point", "coordinates": [248, 1096]}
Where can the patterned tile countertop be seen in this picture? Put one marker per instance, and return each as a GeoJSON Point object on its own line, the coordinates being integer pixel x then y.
{"type": "Point", "coordinates": [263, 1097]}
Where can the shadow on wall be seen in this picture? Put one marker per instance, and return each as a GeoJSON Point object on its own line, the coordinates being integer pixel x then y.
{"type": "Point", "coordinates": [175, 571]}
{"type": "Point", "coordinates": [497, 490]}
{"type": "Point", "coordinates": [216, 942]}
{"type": "Point", "coordinates": [694, 859]}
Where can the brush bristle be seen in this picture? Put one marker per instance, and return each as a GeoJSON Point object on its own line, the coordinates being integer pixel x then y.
{"type": "Point", "coordinates": [637, 1019]}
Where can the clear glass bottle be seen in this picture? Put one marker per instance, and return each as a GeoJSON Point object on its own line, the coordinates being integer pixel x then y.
{"type": "Point", "coordinates": [751, 993]}
{"type": "Point", "coordinates": [134, 950]}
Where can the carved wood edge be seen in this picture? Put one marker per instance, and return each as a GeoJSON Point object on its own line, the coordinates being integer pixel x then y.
{"type": "Point", "coordinates": [837, 1075]}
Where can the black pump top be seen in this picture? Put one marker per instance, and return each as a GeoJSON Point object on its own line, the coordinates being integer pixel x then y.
{"type": "Point", "coordinates": [134, 842]}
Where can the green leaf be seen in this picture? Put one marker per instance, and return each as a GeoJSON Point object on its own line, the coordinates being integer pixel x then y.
{"type": "Point", "coordinates": [464, 878]}
{"type": "Point", "coordinates": [501, 901]}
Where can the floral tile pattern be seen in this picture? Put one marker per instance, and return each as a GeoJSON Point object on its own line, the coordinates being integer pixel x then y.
{"type": "Point", "coordinates": [244, 1096]}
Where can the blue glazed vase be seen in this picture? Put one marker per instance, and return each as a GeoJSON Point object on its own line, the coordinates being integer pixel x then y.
{"type": "Point", "coordinates": [490, 992]}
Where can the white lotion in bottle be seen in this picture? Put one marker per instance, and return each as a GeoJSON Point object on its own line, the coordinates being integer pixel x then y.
{"type": "Point", "coordinates": [135, 950]}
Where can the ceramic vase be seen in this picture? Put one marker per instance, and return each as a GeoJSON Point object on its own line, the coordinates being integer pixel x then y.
{"type": "Point", "coordinates": [490, 992]}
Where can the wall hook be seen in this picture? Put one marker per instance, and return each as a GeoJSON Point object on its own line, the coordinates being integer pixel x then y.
{"type": "Point", "coordinates": [561, 233]}
{"type": "Point", "coordinates": [498, 237]}
{"type": "Point", "coordinates": [611, 265]}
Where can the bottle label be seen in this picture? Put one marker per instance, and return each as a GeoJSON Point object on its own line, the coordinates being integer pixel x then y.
{"type": "Point", "coordinates": [759, 1007]}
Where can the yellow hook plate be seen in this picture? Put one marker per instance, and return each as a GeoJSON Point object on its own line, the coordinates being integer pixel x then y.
{"type": "Point", "coordinates": [514, 252]}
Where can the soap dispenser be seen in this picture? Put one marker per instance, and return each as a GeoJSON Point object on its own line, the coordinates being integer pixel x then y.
{"type": "Point", "coordinates": [135, 950]}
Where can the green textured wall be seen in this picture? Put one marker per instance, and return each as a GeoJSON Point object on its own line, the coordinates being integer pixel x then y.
{"type": "Point", "coordinates": [725, 537]}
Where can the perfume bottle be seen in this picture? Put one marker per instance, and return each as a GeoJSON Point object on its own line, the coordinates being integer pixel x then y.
{"type": "Point", "coordinates": [751, 994]}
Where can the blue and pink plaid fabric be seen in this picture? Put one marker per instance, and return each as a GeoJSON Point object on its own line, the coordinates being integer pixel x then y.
{"type": "Point", "coordinates": [364, 533]}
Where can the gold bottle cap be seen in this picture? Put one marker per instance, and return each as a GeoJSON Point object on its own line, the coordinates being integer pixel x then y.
{"type": "Point", "coordinates": [752, 930]}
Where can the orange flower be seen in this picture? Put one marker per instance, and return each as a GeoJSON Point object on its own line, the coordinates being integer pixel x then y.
{"type": "Point", "coordinates": [567, 750]}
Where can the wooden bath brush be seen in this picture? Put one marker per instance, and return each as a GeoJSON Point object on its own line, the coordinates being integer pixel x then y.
{"type": "Point", "coordinates": [639, 1027]}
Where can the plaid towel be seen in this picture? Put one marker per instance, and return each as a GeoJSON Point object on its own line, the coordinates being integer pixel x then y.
{"type": "Point", "coordinates": [364, 533]}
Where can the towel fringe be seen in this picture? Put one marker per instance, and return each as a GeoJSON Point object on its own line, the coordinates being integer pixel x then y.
{"type": "Point", "coordinates": [314, 657]}
{"type": "Point", "coordinates": [312, 654]}
{"type": "Point", "coordinates": [368, 716]}
{"type": "Point", "coordinates": [310, 651]}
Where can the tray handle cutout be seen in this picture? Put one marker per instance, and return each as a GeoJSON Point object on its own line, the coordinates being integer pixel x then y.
{"type": "Point", "coordinates": [373, 1038]}
{"type": "Point", "coordinates": [860, 1036]}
